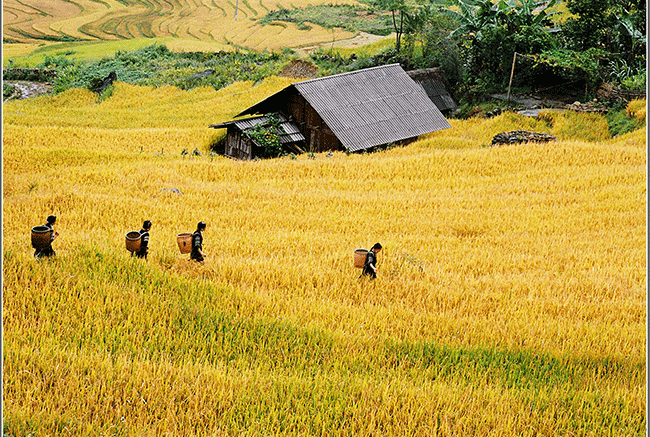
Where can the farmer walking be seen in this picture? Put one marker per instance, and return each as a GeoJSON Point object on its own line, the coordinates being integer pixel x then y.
{"type": "Point", "coordinates": [370, 266]}
{"type": "Point", "coordinates": [48, 251]}
{"type": "Point", "coordinates": [197, 243]}
{"type": "Point", "coordinates": [144, 240]}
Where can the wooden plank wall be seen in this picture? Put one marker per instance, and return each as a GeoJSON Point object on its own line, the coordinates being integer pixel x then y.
{"type": "Point", "coordinates": [319, 137]}
{"type": "Point", "coordinates": [237, 146]}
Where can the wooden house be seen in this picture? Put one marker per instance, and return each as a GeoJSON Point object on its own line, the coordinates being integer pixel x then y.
{"type": "Point", "coordinates": [239, 145]}
{"type": "Point", "coordinates": [353, 111]}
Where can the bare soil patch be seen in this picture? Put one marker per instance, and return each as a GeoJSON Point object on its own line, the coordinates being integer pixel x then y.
{"type": "Point", "coordinates": [359, 40]}
{"type": "Point", "coordinates": [26, 89]}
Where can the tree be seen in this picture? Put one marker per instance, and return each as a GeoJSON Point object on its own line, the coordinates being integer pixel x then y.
{"type": "Point", "coordinates": [489, 33]}
{"type": "Point", "coordinates": [617, 27]}
{"type": "Point", "coordinates": [398, 10]}
{"type": "Point", "coordinates": [426, 31]}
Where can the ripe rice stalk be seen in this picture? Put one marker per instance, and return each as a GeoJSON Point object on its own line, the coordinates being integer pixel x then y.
{"type": "Point", "coordinates": [510, 296]}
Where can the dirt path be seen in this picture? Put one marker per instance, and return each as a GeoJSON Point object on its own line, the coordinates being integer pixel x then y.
{"type": "Point", "coordinates": [360, 39]}
{"type": "Point", "coordinates": [25, 89]}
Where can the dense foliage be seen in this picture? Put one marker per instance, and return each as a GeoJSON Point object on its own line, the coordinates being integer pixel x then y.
{"type": "Point", "coordinates": [489, 33]}
{"type": "Point", "coordinates": [474, 42]}
{"type": "Point", "coordinates": [349, 17]}
{"type": "Point", "coordinates": [267, 136]}
{"type": "Point", "coordinates": [156, 65]}
{"type": "Point", "coordinates": [7, 90]}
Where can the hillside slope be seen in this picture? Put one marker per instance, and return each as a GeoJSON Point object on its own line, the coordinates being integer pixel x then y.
{"type": "Point", "coordinates": [221, 23]}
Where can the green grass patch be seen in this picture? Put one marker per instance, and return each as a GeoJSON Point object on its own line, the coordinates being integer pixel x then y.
{"type": "Point", "coordinates": [348, 17]}
{"type": "Point", "coordinates": [88, 51]}
{"type": "Point", "coordinates": [619, 123]}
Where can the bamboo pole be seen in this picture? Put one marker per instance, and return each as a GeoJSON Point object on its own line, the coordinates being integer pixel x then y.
{"type": "Point", "coordinates": [512, 73]}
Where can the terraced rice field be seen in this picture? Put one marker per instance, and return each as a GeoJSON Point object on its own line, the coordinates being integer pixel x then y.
{"type": "Point", "coordinates": [222, 22]}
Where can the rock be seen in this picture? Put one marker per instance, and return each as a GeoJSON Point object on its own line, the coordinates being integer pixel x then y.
{"type": "Point", "coordinates": [99, 85]}
{"type": "Point", "coordinates": [521, 136]}
{"type": "Point", "coordinates": [25, 90]}
{"type": "Point", "coordinates": [611, 93]}
{"type": "Point", "coordinates": [203, 74]}
{"type": "Point", "coordinates": [171, 190]}
{"type": "Point", "coordinates": [593, 106]}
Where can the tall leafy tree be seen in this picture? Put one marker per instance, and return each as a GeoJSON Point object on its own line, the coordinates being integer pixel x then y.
{"type": "Point", "coordinates": [615, 27]}
{"type": "Point", "coordinates": [398, 10]}
{"type": "Point", "coordinates": [490, 32]}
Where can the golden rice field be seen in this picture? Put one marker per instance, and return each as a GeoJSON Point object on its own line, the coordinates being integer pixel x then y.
{"type": "Point", "coordinates": [510, 298]}
{"type": "Point", "coordinates": [193, 23]}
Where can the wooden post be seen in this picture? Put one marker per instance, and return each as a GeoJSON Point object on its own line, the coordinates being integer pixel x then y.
{"type": "Point", "coordinates": [512, 72]}
{"type": "Point", "coordinates": [236, 9]}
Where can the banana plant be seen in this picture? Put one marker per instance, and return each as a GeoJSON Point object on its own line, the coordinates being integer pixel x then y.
{"type": "Point", "coordinates": [524, 13]}
{"type": "Point", "coordinates": [473, 17]}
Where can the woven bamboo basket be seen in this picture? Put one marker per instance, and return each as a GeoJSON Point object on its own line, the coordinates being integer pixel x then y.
{"type": "Point", "coordinates": [184, 241]}
{"type": "Point", "coordinates": [360, 257]}
{"type": "Point", "coordinates": [41, 237]}
{"type": "Point", "coordinates": [133, 241]}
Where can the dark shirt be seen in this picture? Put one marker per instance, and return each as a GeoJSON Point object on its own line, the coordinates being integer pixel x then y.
{"type": "Point", "coordinates": [197, 244]}
{"type": "Point", "coordinates": [144, 244]}
{"type": "Point", "coordinates": [371, 260]}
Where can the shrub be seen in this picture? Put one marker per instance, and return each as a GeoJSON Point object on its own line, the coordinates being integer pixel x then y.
{"type": "Point", "coordinates": [7, 90]}
{"type": "Point", "coordinates": [637, 109]}
{"type": "Point", "coordinates": [267, 136]}
{"type": "Point", "coordinates": [620, 122]}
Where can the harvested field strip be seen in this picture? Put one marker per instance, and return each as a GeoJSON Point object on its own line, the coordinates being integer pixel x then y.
{"type": "Point", "coordinates": [255, 13]}
{"type": "Point", "coordinates": [26, 8]}
{"type": "Point", "coordinates": [241, 13]}
{"type": "Point", "coordinates": [79, 5]}
{"type": "Point", "coordinates": [43, 27]}
{"type": "Point", "coordinates": [11, 15]}
{"type": "Point", "coordinates": [167, 5]}
{"type": "Point", "coordinates": [32, 34]}
{"type": "Point", "coordinates": [108, 5]}
{"type": "Point", "coordinates": [109, 27]}
{"type": "Point", "coordinates": [145, 30]}
{"type": "Point", "coordinates": [92, 30]}
{"type": "Point", "coordinates": [205, 35]}
{"type": "Point", "coordinates": [211, 20]}
{"type": "Point", "coordinates": [130, 28]}
{"type": "Point", "coordinates": [263, 6]}
{"type": "Point", "coordinates": [216, 6]}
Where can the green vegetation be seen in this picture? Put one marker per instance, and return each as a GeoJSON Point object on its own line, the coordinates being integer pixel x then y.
{"type": "Point", "coordinates": [620, 122]}
{"type": "Point", "coordinates": [7, 90]}
{"type": "Point", "coordinates": [586, 48]}
{"type": "Point", "coordinates": [267, 136]}
{"type": "Point", "coordinates": [155, 65]}
{"type": "Point", "coordinates": [473, 43]}
{"type": "Point", "coordinates": [348, 17]}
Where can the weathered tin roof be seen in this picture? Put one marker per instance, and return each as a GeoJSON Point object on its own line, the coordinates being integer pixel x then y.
{"type": "Point", "coordinates": [366, 108]}
{"type": "Point", "coordinates": [434, 83]}
{"type": "Point", "coordinates": [291, 133]}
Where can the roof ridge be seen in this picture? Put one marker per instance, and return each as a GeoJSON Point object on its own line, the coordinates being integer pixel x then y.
{"type": "Point", "coordinates": [363, 70]}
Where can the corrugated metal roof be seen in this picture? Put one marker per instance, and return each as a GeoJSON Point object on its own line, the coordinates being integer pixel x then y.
{"type": "Point", "coordinates": [433, 81]}
{"type": "Point", "coordinates": [291, 132]}
{"type": "Point", "coordinates": [369, 107]}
